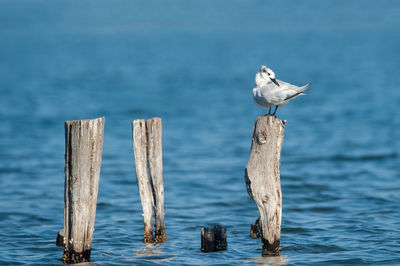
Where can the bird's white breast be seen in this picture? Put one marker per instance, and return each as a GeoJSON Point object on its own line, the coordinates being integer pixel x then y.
{"type": "Point", "coordinates": [260, 99]}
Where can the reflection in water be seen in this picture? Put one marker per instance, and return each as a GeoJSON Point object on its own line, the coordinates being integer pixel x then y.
{"type": "Point", "coordinates": [269, 260]}
{"type": "Point", "coordinates": [152, 253]}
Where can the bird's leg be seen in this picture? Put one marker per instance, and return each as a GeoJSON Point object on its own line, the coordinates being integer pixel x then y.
{"type": "Point", "coordinates": [276, 107]}
{"type": "Point", "coordinates": [269, 112]}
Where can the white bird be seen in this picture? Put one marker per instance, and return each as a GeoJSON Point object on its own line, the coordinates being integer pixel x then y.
{"type": "Point", "coordinates": [268, 91]}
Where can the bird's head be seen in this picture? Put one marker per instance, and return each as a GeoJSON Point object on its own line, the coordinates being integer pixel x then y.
{"type": "Point", "coordinates": [266, 75]}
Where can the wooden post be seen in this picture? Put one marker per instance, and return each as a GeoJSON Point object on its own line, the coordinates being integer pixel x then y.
{"type": "Point", "coordinates": [255, 229]}
{"type": "Point", "coordinates": [213, 239]}
{"type": "Point", "coordinates": [146, 196]}
{"type": "Point", "coordinates": [83, 149]}
{"type": "Point", "coordinates": [263, 179]}
{"type": "Point", "coordinates": [154, 158]}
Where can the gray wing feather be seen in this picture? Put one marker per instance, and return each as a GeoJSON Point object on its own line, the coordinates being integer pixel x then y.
{"type": "Point", "coordinates": [291, 91]}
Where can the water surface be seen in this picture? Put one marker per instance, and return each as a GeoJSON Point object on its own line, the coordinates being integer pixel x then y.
{"type": "Point", "coordinates": [193, 64]}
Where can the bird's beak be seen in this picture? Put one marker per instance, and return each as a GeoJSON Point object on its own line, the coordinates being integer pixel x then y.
{"type": "Point", "coordinates": [276, 82]}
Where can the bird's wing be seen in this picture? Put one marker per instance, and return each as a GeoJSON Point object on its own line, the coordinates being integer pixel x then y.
{"type": "Point", "coordinates": [287, 91]}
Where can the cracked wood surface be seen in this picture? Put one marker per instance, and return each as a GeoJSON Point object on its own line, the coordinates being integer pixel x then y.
{"type": "Point", "coordinates": [83, 151]}
{"type": "Point", "coordinates": [262, 177]}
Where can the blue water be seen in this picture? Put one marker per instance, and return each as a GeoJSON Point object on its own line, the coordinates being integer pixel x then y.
{"type": "Point", "coordinates": [192, 63]}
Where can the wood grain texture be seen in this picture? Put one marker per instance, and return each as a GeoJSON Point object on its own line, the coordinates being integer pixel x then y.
{"type": "Point", "coordinates": [83, 151]}
{"type": "Point", "coordinates": [146, 196]}
{"type": "Point", "coordinates": [155, 164]}
{"type": "Point", "coordinates": [262, 176]}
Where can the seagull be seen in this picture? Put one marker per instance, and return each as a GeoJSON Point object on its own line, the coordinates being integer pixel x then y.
{"type": "Point", "coordinates": [268, 91]}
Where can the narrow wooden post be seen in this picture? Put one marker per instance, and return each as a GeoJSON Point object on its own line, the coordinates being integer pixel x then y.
{"type": "Point", "coordinates": [263, 179]}
{"type": "Point", "coordinates": [154, 158]}
{"type": "Point", "coordinates": [83, 149]}
{"type": "Point", "coordinates": [146, 196]}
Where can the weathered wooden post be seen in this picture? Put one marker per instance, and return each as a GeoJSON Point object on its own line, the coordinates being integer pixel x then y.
{"type": "Point", "coordinates": [262, 179]}
{"type": "Point", "coordinates": [83, 150]}
{"type": "Point", "coordinates": [213, 239]}
{"type": "Point", "coordinates": [146, 196]}
{"type": "Point", "coordinates": [154, 158]}
{"type": "Point", "coordinates": [147, 146]}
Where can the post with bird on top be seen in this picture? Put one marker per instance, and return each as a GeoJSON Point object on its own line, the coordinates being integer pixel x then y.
{"type": "Point", "coordinates": [262, 173]}
{"type": "Point", "coordinates": [83, 151]}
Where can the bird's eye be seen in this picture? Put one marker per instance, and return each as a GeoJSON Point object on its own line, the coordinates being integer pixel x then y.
{"type": "Point", "coordinates": [269, 74]}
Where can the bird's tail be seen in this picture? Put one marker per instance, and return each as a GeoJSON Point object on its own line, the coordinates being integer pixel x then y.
{"type": "Point", "coordinates": [305, 87]}
{"type": "Point", "coordinates": [300, 92]}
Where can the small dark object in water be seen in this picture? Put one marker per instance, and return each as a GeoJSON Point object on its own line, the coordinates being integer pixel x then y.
{"type": "Point", "coordinates": [255, 229]}
{"type": "Point", "coordinates": [213, 239]}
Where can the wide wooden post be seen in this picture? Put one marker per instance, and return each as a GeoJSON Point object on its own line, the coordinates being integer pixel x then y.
{"type": "Point", "coordinates": [83, 150]}
{"type": "Point", "coordinates": [263, 179]}
{"type": "Point", "coordinates": [146, 196]}
{"type": "Point", "coordinates": [154, 158]}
